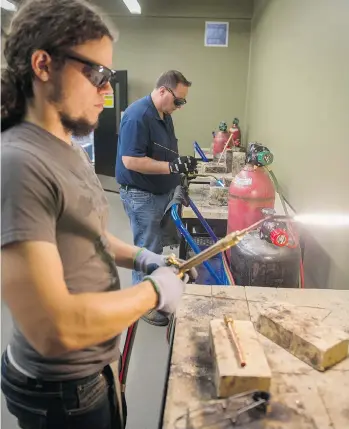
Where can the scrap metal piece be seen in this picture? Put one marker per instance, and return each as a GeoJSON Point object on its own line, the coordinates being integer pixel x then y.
{"type": "Point", "coordinates": [226, 413]}
{"type": "Point", "coordinates": [213, 168]}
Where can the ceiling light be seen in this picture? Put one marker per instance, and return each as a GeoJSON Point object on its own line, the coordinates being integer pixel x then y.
{"type": "Point", "coordinates": [133, 6]}
{"type": "Point", "coordinates": [7, 5]}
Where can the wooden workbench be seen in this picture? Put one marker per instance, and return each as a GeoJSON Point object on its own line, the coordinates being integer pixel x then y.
{"type": "Point", "coordinates": [199, 194]}
{"type": "Point", "coordinates": [323, 398]}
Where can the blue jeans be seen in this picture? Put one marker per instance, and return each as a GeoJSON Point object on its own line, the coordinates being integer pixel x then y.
{"type": "Point", "coordinates": [145, 211]}
{"type": "Point", "coordinates": [87, 403]}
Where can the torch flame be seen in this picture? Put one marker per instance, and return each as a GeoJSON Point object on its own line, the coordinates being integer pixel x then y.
{"type": "Point", "coordinates": [329, 219]}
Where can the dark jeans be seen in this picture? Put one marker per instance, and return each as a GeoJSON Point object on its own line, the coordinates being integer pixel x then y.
{"type": "Point", "coordinates": [145, 211]}
{"type": "Point", "coordinates": [88, 403]}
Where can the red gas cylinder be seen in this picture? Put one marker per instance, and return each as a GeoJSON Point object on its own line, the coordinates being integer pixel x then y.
{"type": "Point", "coordinates": [220, 139]}
{"type": "Point", "coordinates": [249, 192]}
{"type": "Point", "coordinates": [236, 133]}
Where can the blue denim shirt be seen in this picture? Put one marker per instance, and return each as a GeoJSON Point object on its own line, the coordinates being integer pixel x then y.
{"type": "Point", "coordinates": [141, 127]}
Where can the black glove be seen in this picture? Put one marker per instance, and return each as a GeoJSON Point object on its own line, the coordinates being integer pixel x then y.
{"type": "Point", "coordinates": [183, 164]}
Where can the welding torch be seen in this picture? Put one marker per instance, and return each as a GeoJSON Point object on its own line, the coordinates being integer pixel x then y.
{"type": "Point", "coordinates": [203, 157]}
{"type": "Point", "coordinates": [221, 245]}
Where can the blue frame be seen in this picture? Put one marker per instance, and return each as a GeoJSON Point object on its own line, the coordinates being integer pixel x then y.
{"type": "Point", "coordinates": [185, 233]}
{"type": "Point", "coordinates": [200, 151]}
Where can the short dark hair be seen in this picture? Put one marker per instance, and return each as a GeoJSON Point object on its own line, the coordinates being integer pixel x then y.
{"type": "Point", "coordinates": [53, 26]}
{"type": "Point", "coordinates": [171, 79]}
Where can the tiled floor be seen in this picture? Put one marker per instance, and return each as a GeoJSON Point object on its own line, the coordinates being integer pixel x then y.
{"type": "Point", "coordinates": [150, 352]}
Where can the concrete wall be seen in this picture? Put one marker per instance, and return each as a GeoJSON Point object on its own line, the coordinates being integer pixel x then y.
{"type": "Point", "coordinates": [5, 22]}
{"type": "Point", "coordinates": [172, 37]}
{"type": "Point", "coordinates": [3, 61]}
{"type": "Point", "coordinates": [298, 105]}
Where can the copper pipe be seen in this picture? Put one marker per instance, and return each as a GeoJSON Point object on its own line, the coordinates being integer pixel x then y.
{"type": "Point", "coordinates": [230, 325]}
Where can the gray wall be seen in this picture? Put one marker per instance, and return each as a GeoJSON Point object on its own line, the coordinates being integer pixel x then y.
{"type": "Point", "coordinates": [219, 75]}
{"type": "Point", "coordinates": [171, 35]}
{"type": "Point", "coordinates": [5, 22]}
{"type": "Point", "coordinates": [3, 61]}
{"type": "Point", "coordinates": [298, 105]}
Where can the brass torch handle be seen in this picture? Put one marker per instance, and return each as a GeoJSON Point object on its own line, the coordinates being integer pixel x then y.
{"type": "Point", "coordinates": [225, 243]}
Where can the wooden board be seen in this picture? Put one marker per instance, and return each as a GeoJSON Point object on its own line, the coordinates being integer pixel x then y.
{"type": "Point", "coordinates": [230, 377]}
{"type": "Point", "coordinates": [304, 336]}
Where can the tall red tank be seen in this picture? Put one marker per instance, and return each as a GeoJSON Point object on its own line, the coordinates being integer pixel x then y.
{"type": "Point", "coordinates": [236, 132]}
{"type": "Point", "coordinates": [220, 139]}
{"type": "Point", "coordinates": [251, 191]}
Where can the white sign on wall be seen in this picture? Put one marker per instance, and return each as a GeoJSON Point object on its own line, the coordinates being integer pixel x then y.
{"type": "Point", "coordinates": [216, 34]}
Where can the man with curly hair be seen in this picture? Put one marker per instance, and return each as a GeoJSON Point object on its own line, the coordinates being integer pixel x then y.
{"type": "Point", "coordinates": [59, 262]}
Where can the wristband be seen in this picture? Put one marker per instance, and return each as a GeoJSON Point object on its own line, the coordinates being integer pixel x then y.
{"type": "Point", "coordinates": [136, 256]}
{"type": "Point", "coordinates": [156, 288]}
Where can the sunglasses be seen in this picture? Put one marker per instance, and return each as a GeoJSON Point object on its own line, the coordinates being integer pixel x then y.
{"type": "Point", "coordinates": [97, 74]}
{"type": "Point", "coordinates": [178, 102]}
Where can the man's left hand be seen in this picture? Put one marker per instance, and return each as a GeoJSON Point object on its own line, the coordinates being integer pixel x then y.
{"type": "Point", "coordinates": [147, 262]}
{"type": "Point", "coordinates": [183, 164]}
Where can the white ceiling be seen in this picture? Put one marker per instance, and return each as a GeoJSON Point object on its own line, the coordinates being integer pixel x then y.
{"type": "Point", "coordinates": [195, 8]}
{"type": "Point", "coordinates": [213, 9]}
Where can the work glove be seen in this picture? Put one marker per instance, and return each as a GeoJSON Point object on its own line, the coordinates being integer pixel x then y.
{"type": "Point", "coordinates": [147, 262]}
{"type": "Point", "coordinates": [183, 164]}
{"type": "Point", "coordinates": [169, 288]}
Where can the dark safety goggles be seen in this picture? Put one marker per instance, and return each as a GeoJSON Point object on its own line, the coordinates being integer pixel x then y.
{"type": "Point", "coordinates": [97, 74]}
{"type": "Point", "coordinates": [178, 102]}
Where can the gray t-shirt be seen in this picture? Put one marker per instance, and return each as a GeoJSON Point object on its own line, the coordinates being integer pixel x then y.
{"type": "Point", "coordinates": [50, 192]}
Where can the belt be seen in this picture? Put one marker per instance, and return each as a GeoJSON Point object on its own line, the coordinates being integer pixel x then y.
{"type": "Point", "coordinates": [54, 386]}
{"type": "Point", "coordinates": [128, 187]}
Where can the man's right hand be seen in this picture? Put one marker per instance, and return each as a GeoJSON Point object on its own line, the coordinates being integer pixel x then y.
{"type": "Point", "coordinates": [168, 286]}
{"type": "Point", "coordinates": [183, 164]}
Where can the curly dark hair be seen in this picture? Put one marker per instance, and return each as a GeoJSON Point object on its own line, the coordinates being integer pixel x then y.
{"type": "Point", "coordinates": [50, 25]}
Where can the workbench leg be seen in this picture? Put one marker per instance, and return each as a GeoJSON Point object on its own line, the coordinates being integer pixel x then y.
{"type": "Point", "coordinates": [183, 249]}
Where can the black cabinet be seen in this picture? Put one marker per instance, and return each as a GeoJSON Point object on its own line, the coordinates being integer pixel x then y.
{"type": "Point", "coordinates": [106, 135]}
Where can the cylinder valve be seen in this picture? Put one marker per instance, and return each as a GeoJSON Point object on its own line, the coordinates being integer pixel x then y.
{"type": "Point", "coordinates": [275, 232]}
